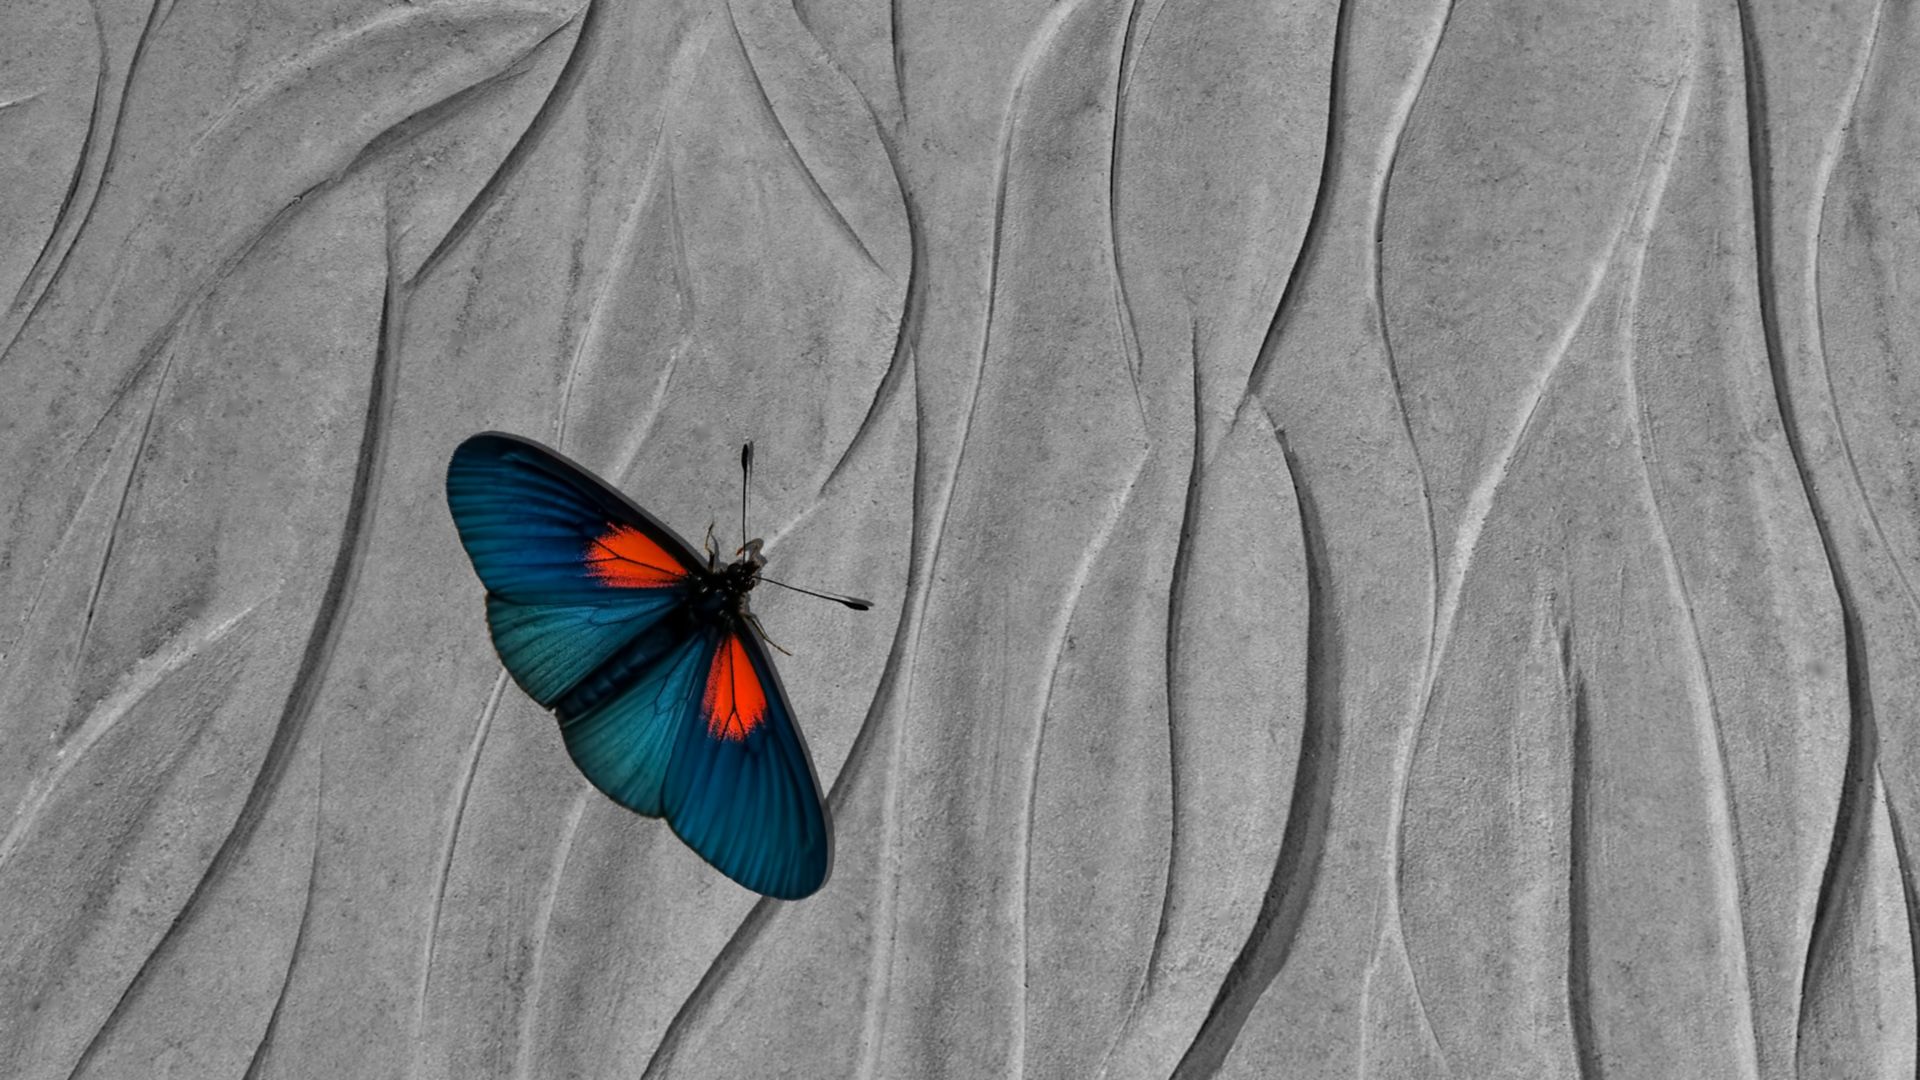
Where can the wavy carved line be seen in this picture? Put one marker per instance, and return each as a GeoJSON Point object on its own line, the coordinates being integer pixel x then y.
{"type": "Point", "coordinates": [106, 716]}
{"type": "Point", "coordinates": [680, 73]}
{"type": "Point", "coordinates": [542, 920]}
{"type": "Point", "coordinates": [158, 341]}
{"type": "Point", "coordinates": [379, 144]}
{"type": "Point", "coordinates": [558, 97]}
{"type": "Point", "coordinates": [257, 1063]}
{"type": "Point", "coordinates": [683, 282]}
{"type": "Point", "coordinates": [907, 332]}
{"type": "Point", "coordinates": [1133, 43]}
{"type": "Point", "coordinates": [322, 640]}
{"type": "Point", "coordinates": [1487, 489]}
{"type": "Point", "coordinates": [786, 137]}
{"type": "Point", "coordinates": [747, 933]}
{"type": "Point", "coordinates": [1304, 260]}
{"type": "Point", "coordinates": [874, 1033]}
{"type": "Point", "coordinates": [1123, 308]}
{"type": "Point", "coordinates": [1148, 12]}
{"type": "Point", "coordinates": [1063, 624]}
{"type": "Point", "coordinates": [61, 214]}
{"type": "Point", "coordinates": [377, 408]}
{"type": "Point", "coordinates": [1700, 688]}
{"type": "Point", "coordinates": [1817, 345]}
{"type": "Point", "coordinates": [1176, 599]}
{"type": "Point", "coordinates": [873, 1019]}
{"type": "Point", "coordinates": [898, 54]}
{"type": "Point", "coordinates": [1706, 711]}
{"type": "Point", "coordinates": [336, 600]}
{"type": "Point", "coordinates": [914, 290]}
{"type": "Point", "coordinates": [1586, 1048]}
{"type": "Point", "coordinates": [113, 530]}
{"type": "Point", "coordinates": [156, 15]}
{"type": "Point", "coordinates": [1376, 297]}
{"type": "Point", "coordinates": [899, 671]}
{"type": "Point", "coordinates": [1851, 821]}
{"type": "Point", "coordinates": [733, 953]}
{"type": "Point", "coordinates": [455, 817]}
{"type": "Point", "coordinates": [1296, 866]}
{"type": "Point", "coordinates": [46, 577]}
{"type": "Point", "coordinates": [1659, 155]}
{"type": "Point", "coordinates": [339, 42]}
{"type": "Point", "coordinates": [1904, 860]}
{"type": "Point", "coordinates": [1853, 818]}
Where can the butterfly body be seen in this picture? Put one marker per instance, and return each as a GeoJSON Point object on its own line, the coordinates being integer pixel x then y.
{"type": "Point", "coordinates": [649, 657]}
{"type": "Point", "coordinates": [728, 584]}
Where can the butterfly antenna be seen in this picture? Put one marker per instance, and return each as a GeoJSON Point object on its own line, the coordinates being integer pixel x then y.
{"type": "Point", "coordinates": [853, 602]}
{"type": "Point", "coordinates": [746, 483]}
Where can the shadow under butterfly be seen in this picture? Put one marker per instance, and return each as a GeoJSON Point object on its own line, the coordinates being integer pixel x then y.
{"type": "Point", "coordinates": [649, 656]}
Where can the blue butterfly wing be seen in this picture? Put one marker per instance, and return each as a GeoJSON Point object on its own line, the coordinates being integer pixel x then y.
{"type": "Point", "coordinates": [551, 648]}
{"type": "Point", "coordinates": [537, 527]}
{"type": "Point", "coordinates": [740, 788]}
{"type": "Point", "coordinates": [667, 710]}
{"type": "Point", "coordinates": [574, 571]}
{"type": "Point", "coordinates": [622, 723]}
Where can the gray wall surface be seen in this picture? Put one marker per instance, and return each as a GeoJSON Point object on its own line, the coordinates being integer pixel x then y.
{"type": "Point", "coordinates": [1395, 529]}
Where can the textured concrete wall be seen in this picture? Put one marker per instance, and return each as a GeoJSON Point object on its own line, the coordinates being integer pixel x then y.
{"type": "Point", "coordinates": [1395, 525]}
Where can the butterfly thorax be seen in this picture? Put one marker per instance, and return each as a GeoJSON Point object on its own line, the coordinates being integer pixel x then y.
{"type": "Point", "coordinates": [740, 577]}
{"type": "Point", "coordinates": [727, 586]}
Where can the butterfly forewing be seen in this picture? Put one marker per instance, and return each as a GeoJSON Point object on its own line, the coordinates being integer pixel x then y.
{"type": "Point", "coordinates": [742, 790]}
{"type": "Point", "coordinates": [540, 529]}
{"type": "Point", "coordinates": [574, 571]}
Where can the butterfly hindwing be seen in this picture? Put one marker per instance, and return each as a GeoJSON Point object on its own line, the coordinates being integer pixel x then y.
{"type": "Point", "coordinates": [550, 648]}
{"type": "Point", "coordinates": [740, 789]}
{"type": "Point", "coordinates": [621, 725]}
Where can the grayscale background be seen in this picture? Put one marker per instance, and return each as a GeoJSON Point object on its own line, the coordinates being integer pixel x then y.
{"type": "Point", "coordinates": [1395, 526]}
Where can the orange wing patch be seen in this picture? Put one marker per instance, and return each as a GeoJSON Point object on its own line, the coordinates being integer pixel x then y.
{"type": "Point", "coordinates": [735, 703]}
{"type": "Point", "coordinates": [626, 558]}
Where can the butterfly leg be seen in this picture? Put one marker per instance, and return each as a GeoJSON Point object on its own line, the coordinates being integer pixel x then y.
{"type": "Point", "coordinates": [762, 631]}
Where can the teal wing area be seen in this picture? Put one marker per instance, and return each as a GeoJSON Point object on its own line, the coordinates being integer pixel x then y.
{"type": "Point", "coordinates": [550, 648]}
{"type": "Point", "coordinates": [622, 722]}
{"type": "Point", "coordinates": [574, 571]}
{"type": "Point", "coordinates": [741, 788]}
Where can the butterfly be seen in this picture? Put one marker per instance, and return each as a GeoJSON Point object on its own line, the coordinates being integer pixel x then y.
{"type": "Point", "coordinates": [649, 657]}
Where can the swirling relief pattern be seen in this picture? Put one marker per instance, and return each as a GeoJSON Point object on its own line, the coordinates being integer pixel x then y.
{"type": "Point", "coordinates": [1395, 531]}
